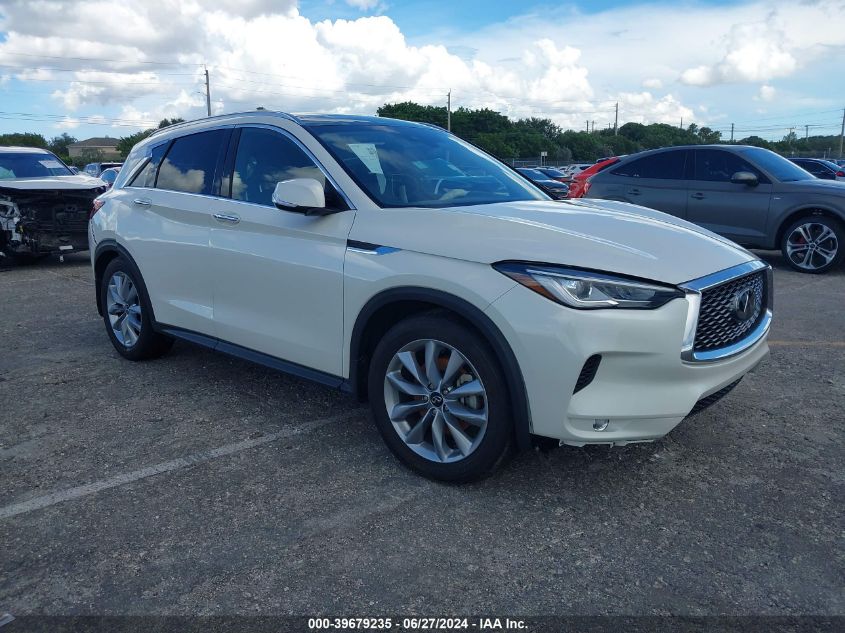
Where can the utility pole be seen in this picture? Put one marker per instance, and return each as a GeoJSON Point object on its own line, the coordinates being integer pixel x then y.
{"type": "Point", "coordinates": [594, 127]}
{"type": "Point", "coordinates": [806, 132]}
{"type": "Point", "coordinates": [732, 132]}
{"type": "Point", "coordinates": [682, 123]}
{"type": "Point", "coordinates": [616, 121]}
{"type": "Point", "coordinates": [449, 111]}
{"type": "Point", "coordinates": [588, 126]}
{"type": "Point", "coordinates": [207, 93]}
{"type": "Point", "coordinates": [842, 134]}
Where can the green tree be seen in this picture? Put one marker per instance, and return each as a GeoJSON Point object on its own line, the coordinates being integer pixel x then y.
{"type": "Point", "coordinates": [708, 136]}
{"type": "Point", "coordinates": [59, 145]}
{"type": "Point", "coordinates": [756, 141]}
{"type": "Point", "coordinates": [24, 139]}
{"type": "Point", "coordinates": [126, 143]}
{"type": "Point", "coordinates": [410, 111]}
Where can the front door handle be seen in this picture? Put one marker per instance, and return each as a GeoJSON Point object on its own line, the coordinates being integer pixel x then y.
{"type": "Point", "coordinates": [697, 196]}
{"type": "Point", "coordinates": [226, 219]}
{"type": "Point", "coordinates": [142, 202]}
{"type": "Point", "coordinates": [634, 192]}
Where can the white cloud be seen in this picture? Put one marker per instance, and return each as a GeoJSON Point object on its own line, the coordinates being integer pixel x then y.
{"type": "Point", "coordinates": [767, 93]}
{"type": "Point", "coordinates": [365, 5]}
{"type": "Point", "coordinates": [643, 107]}
{"type": "Point", "coordinates": [67, 123]}
{"type": "Point", "coordinates": [762, 45]}
{"type": "Point", "coordinates": [755, 52]}
{"type": "Point", "coordinates": [265, 52]}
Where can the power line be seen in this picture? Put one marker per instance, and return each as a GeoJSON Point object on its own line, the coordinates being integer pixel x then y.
{"type": "Point", "coordinates": [22, 69]}
{"type": "Point", "coordinates": [108, 83]}
{"type": "Point", "coordinates": [100, 59]}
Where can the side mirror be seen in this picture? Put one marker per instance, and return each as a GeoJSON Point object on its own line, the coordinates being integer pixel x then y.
{"type": "Point", "coordinates": [744, 178]}
{"type": "Point", "coordinates": [301, 195]}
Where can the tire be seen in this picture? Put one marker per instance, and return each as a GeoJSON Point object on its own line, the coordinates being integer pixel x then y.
{"type": "Point", "coordinates": [475, 429]}
{"type": "Point", "coordinates": [126, 313]}
{"type": "Point", "coordinates": [813, 244]}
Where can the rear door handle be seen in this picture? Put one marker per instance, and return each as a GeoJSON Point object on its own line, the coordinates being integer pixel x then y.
{"type": "Point", "coordinates": [142, 202]}
{"type": "Point", "coordinates": [697, 196]}
{"type": "Point", "coordinates": [226, 218]}
{"type": "Point", "coordinates": [634, 192]}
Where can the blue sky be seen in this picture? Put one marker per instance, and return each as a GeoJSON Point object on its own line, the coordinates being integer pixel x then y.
{"type": "Point", "coordinates": [95, 67]}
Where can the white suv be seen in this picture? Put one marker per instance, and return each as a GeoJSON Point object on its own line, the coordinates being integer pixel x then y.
{"type": "Point", "coordinates": [397, 262]}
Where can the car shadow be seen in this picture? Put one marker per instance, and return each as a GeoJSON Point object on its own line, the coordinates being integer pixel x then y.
{"type": "Point", "coordinates": [76, 259]}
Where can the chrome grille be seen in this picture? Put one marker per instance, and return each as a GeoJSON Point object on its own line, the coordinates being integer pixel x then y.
{"type": "Point", "coordinates": [718, 325]}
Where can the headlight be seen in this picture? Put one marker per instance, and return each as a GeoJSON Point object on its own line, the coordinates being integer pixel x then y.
{"type": "Point", "coordinates": [588, 290]}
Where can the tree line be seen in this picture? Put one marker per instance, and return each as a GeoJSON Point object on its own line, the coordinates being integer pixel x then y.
{"type": "Point", "coordinates": [508, 139]}
{"type": "Point", "coordinates": [59, 144]}
{"type": "Point", "coordinates": [527, 138]}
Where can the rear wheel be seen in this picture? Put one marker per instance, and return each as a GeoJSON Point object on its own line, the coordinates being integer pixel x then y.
{"type": "Point", "coordinates": [126, 313]}
{"type": "Point", "coordinates": [814, 244]}
{"type": "Point", "coordinates": [440, 400]}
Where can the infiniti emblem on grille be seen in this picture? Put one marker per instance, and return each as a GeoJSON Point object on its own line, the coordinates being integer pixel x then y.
{"type": "Point", "coordinates": [744, 304]}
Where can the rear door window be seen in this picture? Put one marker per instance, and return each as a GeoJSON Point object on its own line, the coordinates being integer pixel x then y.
{"type": "Point", "coordinates": [665, 165]}
{"type": "Point", "coordinates": [190, 163]}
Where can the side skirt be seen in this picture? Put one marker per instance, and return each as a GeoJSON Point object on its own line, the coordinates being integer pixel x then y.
{"type": "Point", "coordinates": [287, 367]}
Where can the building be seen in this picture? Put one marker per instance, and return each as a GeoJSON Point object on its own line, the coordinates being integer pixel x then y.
{"type": "Point", "coordinates": [95, 149]}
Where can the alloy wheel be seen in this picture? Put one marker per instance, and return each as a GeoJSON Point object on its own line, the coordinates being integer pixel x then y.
{"type": "Point", "coordinates": [812, 245]}
{"type": "Point", "coordinates": [436, 401]}
{"type": "Point", "coordinates": [124, 309]}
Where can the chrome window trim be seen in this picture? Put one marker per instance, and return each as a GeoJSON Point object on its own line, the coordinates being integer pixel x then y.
{"type": "Point", "coordinates": [227, 117]}
{"type": "Point", "coordinates": [696, 287]}
{"type": "Point", "coordinates": [304, 148]}
{"type": "Point", "coordinates": [381, 250]}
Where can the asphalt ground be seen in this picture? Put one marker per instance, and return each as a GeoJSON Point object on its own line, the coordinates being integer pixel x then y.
{"type": "Point", "coordinates": [198, 484]}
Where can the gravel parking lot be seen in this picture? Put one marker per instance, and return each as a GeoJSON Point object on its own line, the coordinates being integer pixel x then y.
{"type": "Point", "coordinates": [200, 484]}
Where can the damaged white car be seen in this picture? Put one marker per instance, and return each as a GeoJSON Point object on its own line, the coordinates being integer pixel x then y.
{"type": "Point", "coordinates": [44, 207]}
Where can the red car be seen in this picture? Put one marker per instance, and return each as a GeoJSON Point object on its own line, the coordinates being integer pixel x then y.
{"type": "Point", "coordinates": [581, 181]}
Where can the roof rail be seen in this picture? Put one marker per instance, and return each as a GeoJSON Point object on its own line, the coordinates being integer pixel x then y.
{"type": "Point", "coordinates": [284, 115]}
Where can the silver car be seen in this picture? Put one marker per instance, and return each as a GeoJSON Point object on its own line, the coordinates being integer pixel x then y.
{"type": "Point", "coordinates": [747, 194]}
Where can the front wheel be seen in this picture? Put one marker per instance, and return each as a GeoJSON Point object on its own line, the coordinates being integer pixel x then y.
{"type": "Point", "coordinates": [440, 400]}
{"type": "Point", "coordinates": [813, 244]}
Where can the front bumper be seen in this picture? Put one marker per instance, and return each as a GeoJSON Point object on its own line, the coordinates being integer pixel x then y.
{"type": "Point", "coordinates": [643, 387]}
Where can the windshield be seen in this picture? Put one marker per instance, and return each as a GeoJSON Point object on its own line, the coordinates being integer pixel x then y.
{"type": "Point", "coordinates": [777, 166]}
{"type": "Point", "coordinates": [553, 173]}
{"type": "Point", "coordinates": [534, 174]}
{"type": "Point", "coordinates": [30, 165]}
{"type": "Point", "coordinates": [409, 165]}
{"type": "Point", "coordinates": [110, 175]}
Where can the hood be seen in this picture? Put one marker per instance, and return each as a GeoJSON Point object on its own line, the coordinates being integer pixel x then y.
{"type": "Point", "coordinates": [817, 185]}
{"type": "Point", "coordinates": [52, 183]}
{"type": "Point", "coordinates": [597, 234]}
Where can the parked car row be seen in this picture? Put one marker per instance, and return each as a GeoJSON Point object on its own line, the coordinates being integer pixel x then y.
{"type": "Point", "coordinates": [556, 188]}
{"type": "Point", "coordinates": [95, 169]}
{"type": "Point", "coordinates": [824, 169]}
